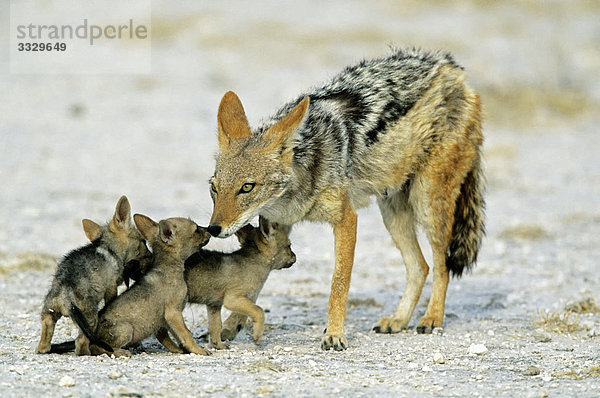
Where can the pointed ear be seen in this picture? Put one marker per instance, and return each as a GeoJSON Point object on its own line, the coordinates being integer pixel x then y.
{"type": "Point", "coordinates": [232, 120]}
{"type": "Point", "coordinates": [166, 232]}
{"type": "Point", "coordinates": [244, 233]}
{"type": "Point", "coordinates": [91, 229]}
{"type": "Point", "coordinates": [265, 227]}
{"type": "Point", "coordinates": [122, 212]}
{"type": "Point", "coordinates": [146, 226]}
{"type": "Point", "coordinates": [282, 133]}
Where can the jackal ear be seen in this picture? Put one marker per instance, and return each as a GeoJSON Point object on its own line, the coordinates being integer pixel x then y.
{"type": "Point", "coordinates": [166, 232]}
{"type": "Point", "coordinates": [146, 226]}
{"type": "Point", "coordinates": [232, 120]}
{"type": "Point", "coordinates": [244, 233]}
{"type": "Point", "coordinates": [282, 134]}
{"type": "Point", "coordinates": [122, 212]}
{"type": "Point", "coordinates": [91, 229]}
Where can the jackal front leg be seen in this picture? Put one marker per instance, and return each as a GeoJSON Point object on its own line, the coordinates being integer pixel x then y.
{"type": "Point", "coordinates": [345, 240]}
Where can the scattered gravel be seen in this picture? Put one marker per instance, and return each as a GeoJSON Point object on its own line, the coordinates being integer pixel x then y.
{"type": "Point", "coordinates": [71, 145]}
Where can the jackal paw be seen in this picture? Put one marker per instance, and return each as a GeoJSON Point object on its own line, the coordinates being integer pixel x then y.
{"type": "Point", "coordinates": [390, 325]}
{"type": "Point", "coordinates": [42, 349]}
{"type": "Point", "coordinates": [200, 351]}
{"type": "Point", "coordinates": [120, 352]}
{"type": "Point", "coordinates": [220, 345]}
{"type": "Point", "coordinates": [428, 323]}
{"type": "Point", "coordinates": [336, 341]}
{"type": "Point", "coordinates": [230, 333]}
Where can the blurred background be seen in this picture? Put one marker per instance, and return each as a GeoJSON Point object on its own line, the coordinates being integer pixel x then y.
{"type": "Point", "coordinates": [72, 144]}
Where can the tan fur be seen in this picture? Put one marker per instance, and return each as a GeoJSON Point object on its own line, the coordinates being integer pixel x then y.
{"type": "Point", "coordinates": [154, 304]}
{"type": "Point", "coordinates": [405, 129]}
{"type": "Point", "coordinates": [234, 280]}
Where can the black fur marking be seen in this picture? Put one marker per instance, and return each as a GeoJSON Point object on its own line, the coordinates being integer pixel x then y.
{"type": "Point", "coordinates": [392, 111]}
{"type": "Point", "coordinates": [351, 103]}
{"type": "Point", "coordinates": [83, 324]}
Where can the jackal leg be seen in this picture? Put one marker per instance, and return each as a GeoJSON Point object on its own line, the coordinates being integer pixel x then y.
{"type": "Point", "coordinates": [82, 343]}
{"type": "Point", "coordinates": [345, 240]}
{"type": "Point", "coordinates": [214, 326]}
{"type": "Point", "coordinates": [244, 305]}
{"type": "Point", "coordinates": [436, 197]}
{"type": "Point", "coordinates": [176, 323]}
{"type": "Point", "coordinates": [49, 320]}
{"type": "Point", "coordinates": [162, 335]}
{"type": "Point", "coordinates": [232, 325]}
{"type": "Point", "coordinates": [399, 219]}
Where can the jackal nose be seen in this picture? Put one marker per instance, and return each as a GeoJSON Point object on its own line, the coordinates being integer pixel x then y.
{"type": "Point", "coordinates": [214, 230]}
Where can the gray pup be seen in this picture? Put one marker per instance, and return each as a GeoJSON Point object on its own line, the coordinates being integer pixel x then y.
{"type": "Point", "coordinates": [154, 304]}
{"type": "Point", "coordinates": [91, 273]}
{"type": "Point", "coordinates": [235, 279]}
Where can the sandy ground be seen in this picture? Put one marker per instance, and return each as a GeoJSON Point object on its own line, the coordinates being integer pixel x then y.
{"type": "Point", "coordinates": [72, 144]}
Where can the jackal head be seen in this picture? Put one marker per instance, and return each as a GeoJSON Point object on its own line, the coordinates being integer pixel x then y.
{"type": "Point", "coordinates": [253, 170]}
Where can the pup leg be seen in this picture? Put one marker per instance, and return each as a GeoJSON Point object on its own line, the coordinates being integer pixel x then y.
{"type": "Point", "coordinates": [176, 323]}
{"type": "Point", "coordinates": [214, 326]}
{"type": "Point", "coordinates": [82, 343]}
{"type": "Point", "coordinates": [49, 320]}
{"type": "Point", "coordinates": [163, 336]}
{"type": "Point", "coordinates": [344, 233]}
{"type": "Point", "coordinates": [232, 325]}
{"type": "Point", "coordinates": [399, 219]}
{"type": "Point", "coordinates": [244, 305]}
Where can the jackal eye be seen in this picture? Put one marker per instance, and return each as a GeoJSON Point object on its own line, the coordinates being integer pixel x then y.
{"type": "Point", "coordinates": [247, 187]}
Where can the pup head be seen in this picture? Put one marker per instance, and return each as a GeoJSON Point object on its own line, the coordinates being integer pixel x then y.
{"type": "Point", "coordinates": [120, 234]}
{"type": "Point", "coordinates": [272, 240]}
{"type": "Point", "coordinates": [252, 169]}
{"type": "Point", "coordinates": [181, 236]}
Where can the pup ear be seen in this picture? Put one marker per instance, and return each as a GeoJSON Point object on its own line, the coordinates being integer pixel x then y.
{"type": "Point", "coordinates": [122, 215]}
{"type": "Point", "coordinates": [244, 233]}
{"type": "Point", "coordinates": [265, 227]}
{"type": "Point", "coordinates": [146, 226]}
{"type": "Point", "coordinates": [231, 120]}
{"type": "Point", "coordinates": [166, 232]}
{"type": "Point", "coordinates": [283, 133]}
{"type": "Point", "coordinates": [91, 229]}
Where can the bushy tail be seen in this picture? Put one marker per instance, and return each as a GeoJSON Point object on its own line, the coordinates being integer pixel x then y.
{"type": "Point", "coordinates": [80, 320]}
{"type": "Point", "coordinates": [469, 219]}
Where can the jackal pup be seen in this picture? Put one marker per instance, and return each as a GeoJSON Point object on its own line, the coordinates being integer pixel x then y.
{"type": "Point", "coordinates": [153, 305]}
{"type": "Point", "coordinates": [405, 129]}
{"type": "Point", "coordinates": [91, 273]}
{"type": "Point", "coordinates": [235, 279]}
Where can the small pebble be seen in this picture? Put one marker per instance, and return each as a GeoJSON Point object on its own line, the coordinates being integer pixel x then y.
{"type": "Point", "coordinates": [426, 369]}
{"type": "Point", "coordinates": [490, 333]}
{"type": "Point", "coordinates": [547, 378]}
{"type": "Point", "coordinates": [66, 381]}
{"type": "Point", "coordinates": [115, 374]}
{"type": "Point", "coordinates": [438, 357]}
{"type": "Point", "coordinates": [477, 349]}
{"type": "Point", "coordinates": [532, 371]}
{"type": "Point", "coordinates": [288, 349]}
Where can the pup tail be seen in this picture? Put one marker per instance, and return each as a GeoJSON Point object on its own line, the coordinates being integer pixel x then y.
{"type": "Point", "coordinates": [63, 347]}
{"type": "Point", "coordinates": [469, 219]}
{"type": "Point", "coordinates": [80, 320]}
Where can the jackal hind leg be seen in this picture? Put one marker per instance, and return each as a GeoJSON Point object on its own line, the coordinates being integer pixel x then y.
{"type": "Point", "coordinates": [399, 219]}
{"type": "Point", "coordinates": [176, 324]}
{"type": "Point", "coordinates": [82, 343]}
{"type": "Point", "coordinates": [436, 197]}
{"type": "Point", "coordinates": [49, 320]}
{"type": "Point", "coordinates": [246, 306]}
{"type": "Point", "coordinates": [234, 323]}
{"type": "Point", "coordinates": [162, 335]}
{"type": "Point", "coordinates": [215, 326]}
